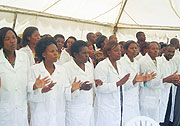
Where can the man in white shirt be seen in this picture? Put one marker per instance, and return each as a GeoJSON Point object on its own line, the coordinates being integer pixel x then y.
{"type": "Point", "coordinates": [155, 93]}
{"type": "Point", "coordinates": [168, 68]}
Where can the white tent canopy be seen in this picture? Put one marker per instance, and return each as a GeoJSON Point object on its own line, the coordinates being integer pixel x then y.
{"type": "Point", "coordinates": [159, 19]}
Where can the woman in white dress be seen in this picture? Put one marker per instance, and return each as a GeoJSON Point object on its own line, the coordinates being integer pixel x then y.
{"type": "Point", "coordinates": [60, 43]}
{"type": "Point", "coordinates": [110, 95]}
{"type": "Point", "coordinates": [48, 108]}
{"type": "Point", "coordinates": [14, 67]}
{"type": "Point", "coordinates": [66, 54]}
{"type": "Point", "coordinates": [131, 90]}
{"type": "Point", "coordinates": [79, 111]}
{"type": "Point", "coordinates": [31, 37]}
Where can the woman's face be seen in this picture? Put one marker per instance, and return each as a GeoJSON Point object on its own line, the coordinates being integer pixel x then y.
{"type": "Point", "coordinates": [51, 53]}
{"type": "Point", "coordinates": [132, 50]}
{"type": "Point", "coordinates": [10, 41]}
{"type": "Point", "coordinates": [122, 49]}
{"type": "Point", "coordinates": [104, 43]}
{"type": "Point", "coordinates": [60, 42]}
{"type": "Point", "coordinates": [91, 51]}
{"type": "Point", "coordinates": [83, 55]}
{"type": "Point", "coordinates": [35, 37]}
{"type": "Point", "coordinates": [70, 42]}
{"type": "Point", "coordinates": [115, 53]}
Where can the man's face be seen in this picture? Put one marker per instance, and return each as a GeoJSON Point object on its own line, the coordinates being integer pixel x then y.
{"type": "Point", "coordinates": [93, 38]}
{"type": "Point", "coordinates": [153, 50]}
{"type": "Point", "coordinates": [169, 52]}
{"type": "Point", "coordinates": [142, 37]}
{"type": "Point", "coordinates": [177, 45]}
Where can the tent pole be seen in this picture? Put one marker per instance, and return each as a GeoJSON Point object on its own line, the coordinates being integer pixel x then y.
{"type": "Point", "coordinates": [119, 16]}
{"type": "Point", "coordinates": [14, 21]}
{"type": "Point", "coordinates": [51, 6]}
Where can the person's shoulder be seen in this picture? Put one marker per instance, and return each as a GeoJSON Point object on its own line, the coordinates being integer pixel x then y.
{"type": "Point", "coordinates": [102, 64]}
{"type": "Point", "coordinates": [69, 63]}
{"type": "Point", "coordinates": [21, 54]}
{"type": "Point", "coordinates": [59, 67]}
{"type": "Point", "coordinates": [160, 58]}
{"type": "Point", "coordinates": [64, 52]}
{"type": "Point", "coordinates": [24, 49]}
{"type": "Point", "coordinates": [143, 59]}
{"type": "Point", "coordinates": [36, 66]}
{"type": "Point", "coordinates": [122, 60]}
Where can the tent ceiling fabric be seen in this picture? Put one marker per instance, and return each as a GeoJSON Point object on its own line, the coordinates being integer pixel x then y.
{"type": "Point", "coordinates": [136, 12]}
{"type": "Point", "coordinates": [159, 19]}
{"type": "Point", "coordinates": [80, 9]}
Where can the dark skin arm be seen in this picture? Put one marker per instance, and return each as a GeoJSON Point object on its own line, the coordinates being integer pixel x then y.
{"type": "Point", "coordinates": [123, 80]}
{"type": "Point", "coordinates": [41, 83]}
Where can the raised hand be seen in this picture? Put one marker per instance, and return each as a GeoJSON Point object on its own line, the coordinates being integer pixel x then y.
{"type": "Point", "coordinates": [76, 85]}
{"type": "Point", "coordinates": [138, 78]}
{"type": "Point", "coordinates": [98, 82]}
{"type": "Point", "coordinates": [174, 78]}
{"type": "Point", "coordinates": [150, 76]}
{"type": "Point", "coordinates": [123, 80]}
{"type": "Point", "coordinates": [86, 86]}
{"type": "Point", "coordinates": [177, 83]}
{"type": "Point", "coordinates": [40, 83]}
{"type": "Point", "coordinates": [48, 87]}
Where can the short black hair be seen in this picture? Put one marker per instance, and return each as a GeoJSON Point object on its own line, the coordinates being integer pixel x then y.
{"type": "Point", "coordinates": [70, 37]}
{"type": "Point", "coordinates": [58, 36]}
{"type": "Point", "coordinates": [3, 32]}
{"type": "Point", "coordinates": [169, 45]}
{"type": "Point", "coordinates": [46, 35]}
{"type": "Point", "coordinates": [77, 46]}
{"type": "Point", "coordinates": [128, 43]}
{"type": "Point", "coordinates": [88, 36]}
{"type": "Point", "coordinates": [42, 45]}
{"type": "Point", "coordinates": [152, 43]}
{"type": "Point", "coordinates": [174, 41]}
{"type": "Point", "coordinates": [139, 34]}
{"type": "Point", "coordinates": [164, 45]}
{"type": "Point", "coordinates": [100, 40]}
{"type": "Point", "coordinates": [28, 33]}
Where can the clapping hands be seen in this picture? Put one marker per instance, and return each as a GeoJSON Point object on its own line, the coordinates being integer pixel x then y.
{"type": "Point", "coordinates": [146, 77]}
{"type": "Point", "coordinates": [98, 82]}
{"type": "Point", "coordinates": [86, 86]}
{"type": "Point", "coordinates": [123, 80]}
{"type": "Point", "coordinates": [81, 85]}
{"type": "Point", "coordinates": [41, 83]}
{"type": "Point", "coordinates": [174, 78]}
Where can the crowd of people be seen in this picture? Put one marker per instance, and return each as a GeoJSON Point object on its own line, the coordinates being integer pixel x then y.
{"type": "Point", "coordinates": [50, 81]}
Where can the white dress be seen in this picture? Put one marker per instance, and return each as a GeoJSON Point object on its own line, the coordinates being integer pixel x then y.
{"type": "Point", "coordinates": [154, 94]}
{"type": "Point", "coordinates": [29, 52]}
{"type": "Point", "coordinates": [65, 57]}
{"type": "Point", "coordinates": [13, 91]}
{"type": "Point", "coordinates": [79, 111]}
{"type": "Point", "coordinates": [108, 104]}
{"type": "Point", "coordinates": [131, 92]}
{"type": "Point", "coordinates": [48, 109]}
